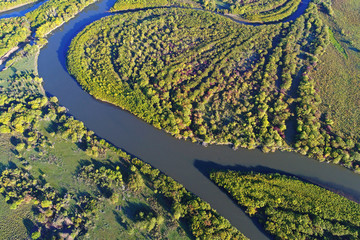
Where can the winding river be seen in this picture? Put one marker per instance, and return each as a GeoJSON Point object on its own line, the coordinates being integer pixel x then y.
{"type": "Point", "coordinates": [186, 162]}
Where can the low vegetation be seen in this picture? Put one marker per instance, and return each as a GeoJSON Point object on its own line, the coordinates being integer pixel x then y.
{"type": "Point", "coordinates": [292, 209]}
{"type": "Point", "coordinates": [338, 72]}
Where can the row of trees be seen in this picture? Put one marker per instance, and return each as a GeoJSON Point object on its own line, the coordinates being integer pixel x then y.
{"type": "Point", "coordinates": [292, 209]}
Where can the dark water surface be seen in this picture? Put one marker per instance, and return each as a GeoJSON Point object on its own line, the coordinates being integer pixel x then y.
{"type": "Point", "coordinates": [186, 162]}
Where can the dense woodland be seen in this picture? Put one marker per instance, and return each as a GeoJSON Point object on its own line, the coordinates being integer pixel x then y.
{"type": "Point", "coordinates": [12, 32]}
{"type": "Point", "coordinates": [258, 10]}
{"type": "Point", "coordinates": [10, 4]}
{"type": "Point", "coordinates": [292, 209]}
{"type": "Point", "coordinates": [201, 76]}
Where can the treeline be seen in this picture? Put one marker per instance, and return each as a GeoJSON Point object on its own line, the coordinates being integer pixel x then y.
{"type": "Point", "coordinates": [10, 4]}
{"type": "Point", "coordinates": [12, 32]}
{"type": "Point", "coordinates": [56, 217]}
{"type": "Point", "coordinates": [53, 14]}
{"type": "Point", "coordinates": [292, 209]}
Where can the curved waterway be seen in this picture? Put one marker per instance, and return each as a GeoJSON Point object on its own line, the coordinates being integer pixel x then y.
{"type": "Point", "coordinates": [186, 162]}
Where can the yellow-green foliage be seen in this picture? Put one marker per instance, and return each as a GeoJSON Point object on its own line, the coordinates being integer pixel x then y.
{"type": "Point", "coordinates": [12, 32]}
{"type": "Point", "coordinates": [53, 14]}
{"type": "Point", "coordinates": [291, 209]}
{"type": "Point", "coordinates": [9, 4]}
{"type": "Point", "coordinates": [136, 4]}
{"type": "Point", "coordinates": [264, 10]}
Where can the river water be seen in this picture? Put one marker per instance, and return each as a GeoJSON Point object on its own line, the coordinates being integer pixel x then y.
{"type": "Point", "coordinates": [186, 162]}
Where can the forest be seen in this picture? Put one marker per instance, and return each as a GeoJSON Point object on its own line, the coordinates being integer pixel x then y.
{"type": "Point", "coordinates": [12, 32]}
{"type": "Point", "coordinates": [201, 76]}
{"type": "Point", "coordinates": [10, 4]}
{"type": "Point", "coordinates": [249, 10]}
{"type": "Point", "coordinates": [289, 208]}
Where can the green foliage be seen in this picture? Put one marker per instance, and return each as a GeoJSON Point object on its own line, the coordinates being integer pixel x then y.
{"type": "Point", "coordinates": [101, 176]}
{"type": "Point", "coordinates": [199, 75]}
{"type": "Point", "coordinates": [291, 209]}
{"type": "Point", "coordinates": [205, 223]}
{"type": "Point", "coordinates": [10, 4]}
{"type": "Point", "coordinates": [53, 14]}
{"type": "Point", "coordinates": [121, 5]}
{"type": "Point", "coordinates": [263, 10]}
{"type": "Point", "coordinates": [18, 186]}
{"type": "Point", "coordinates": [12, 32]}
{"type": "Point", "coordinates": [251, 10]}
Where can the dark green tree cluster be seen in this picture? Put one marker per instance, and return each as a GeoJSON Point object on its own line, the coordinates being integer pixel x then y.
{"type": "Point", "coordinates": [204, 221]}
{"type": "Point", "coordinates": [292, 209]}
{"type": "Point", "coordinates": [54, 217]}
{"type": "Point", "coordinates": [12, 32]}
{"type": "Point", "coordinates": [10, 4]}
{"type": "Point", "coordinates": [53, 14]}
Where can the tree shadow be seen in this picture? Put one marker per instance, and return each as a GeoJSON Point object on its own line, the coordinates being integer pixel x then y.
{"type": "Point", "coordinates": [30, 226]}
{"type": "Point", "coordinates": [120, 220]}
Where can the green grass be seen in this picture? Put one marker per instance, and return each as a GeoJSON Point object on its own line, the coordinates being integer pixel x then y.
{"type": "Point", "coordinates": [336, 44]}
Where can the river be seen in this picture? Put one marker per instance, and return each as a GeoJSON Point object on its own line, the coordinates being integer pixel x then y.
{"type": "Point", "coordinates": [186, 162]}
